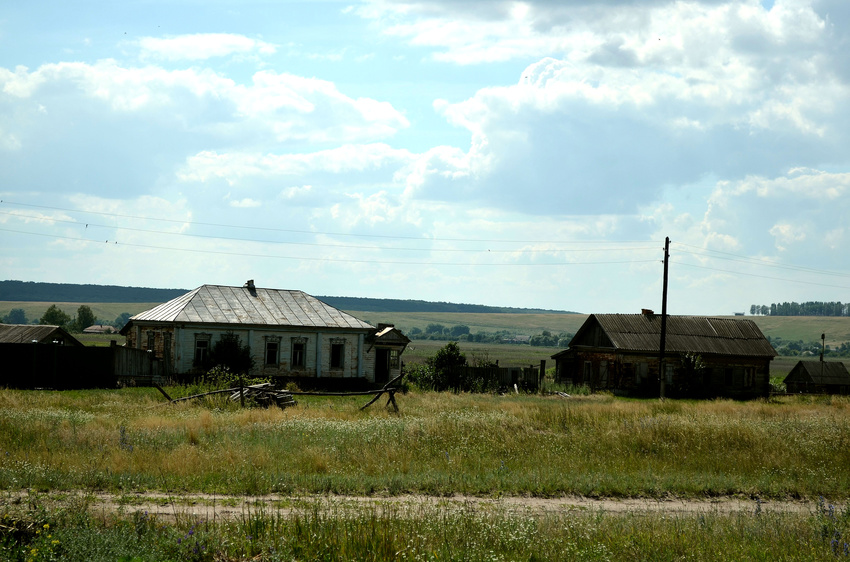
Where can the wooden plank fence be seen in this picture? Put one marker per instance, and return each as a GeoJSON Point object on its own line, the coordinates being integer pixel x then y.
{"type": "Point", "coordinates": [499, 378]}
{"type": "Point", "coordinates": [45, 365]}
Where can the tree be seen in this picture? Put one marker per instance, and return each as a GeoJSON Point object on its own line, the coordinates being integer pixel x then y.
{"type": "Point", "coordinates": [15, 316]}
{"type": "Point", "coordinates": [54, 316]}
{"type": "Point", "coordinates": [459, 330]}
{"type": "Point", "coordinates": [121, 320]}
{"type": "Point", "coordinates": [229, 353]}
{"type": "Point", "coordinates": [85, 318]}
{"type": "Point", "coordinates": [446, 359]}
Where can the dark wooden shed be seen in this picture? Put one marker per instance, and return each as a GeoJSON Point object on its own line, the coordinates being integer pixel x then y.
{"type": "Point", "coordinates": [705, 357]}
{"type": "Point", "coordinates": [36, 333]}
{"type": "Point", "coordinates": [818, 377]}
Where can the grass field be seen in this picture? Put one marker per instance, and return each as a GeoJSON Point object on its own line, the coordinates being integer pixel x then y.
{"type": "Point", "coordinates": [439, 444]}
{"type": "Point", "coordinates": [127, 441]}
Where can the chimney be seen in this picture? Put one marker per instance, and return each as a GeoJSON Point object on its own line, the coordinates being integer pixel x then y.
{"type": "Point", "coordinates": [250, 284]}
{"type": "Point", "coordinates": [646, 312]}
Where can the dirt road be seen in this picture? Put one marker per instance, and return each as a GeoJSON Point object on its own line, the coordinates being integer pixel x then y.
{"type": "Point", "coordinates": [210, 507]}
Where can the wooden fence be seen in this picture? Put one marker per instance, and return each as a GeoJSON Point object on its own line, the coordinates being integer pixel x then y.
{"type": "Point", "coordinates": [501, 378]}
{"type": "Point", "coordinates": [44, 365]}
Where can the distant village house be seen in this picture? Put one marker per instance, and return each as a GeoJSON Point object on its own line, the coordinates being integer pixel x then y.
{"type": "Point", "coordinates": [818, 377]}
{"type": "Point", "coordinates": [704, 357]}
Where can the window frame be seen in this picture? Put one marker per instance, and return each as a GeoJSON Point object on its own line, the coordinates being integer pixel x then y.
{"type": "Point", "coordinates": [272, 344]}
{"type": "Point", "coordinates": [298, 353]}
{"type": "Point", "coordinates": [201, 353]}
{"type": "Point", "coordinates": [337, 355]}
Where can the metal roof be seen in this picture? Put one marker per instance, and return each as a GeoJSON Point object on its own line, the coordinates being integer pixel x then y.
{"type": "Point", "coordinates": [216, 304]}
{"type": "Point", "coordinates": [819, 372]}
{"type": "Point", "coordinates": [27, 333]}
{"type": "Point", "coordinates": [685, 334]}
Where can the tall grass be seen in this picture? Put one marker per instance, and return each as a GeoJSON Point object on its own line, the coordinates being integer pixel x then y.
{"type": "Point", "coordinates": [439, 444]}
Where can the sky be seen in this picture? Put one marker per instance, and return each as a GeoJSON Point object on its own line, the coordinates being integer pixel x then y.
{"type": "Point", "coordinates": [524, 154]}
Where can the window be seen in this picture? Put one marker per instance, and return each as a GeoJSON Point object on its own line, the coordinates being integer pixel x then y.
{"type": "Point", "coordinates": [337, 354]}
{"type": "Point", "coordinates": [151, 340]}
{"type": "Point", "coordinates": [749, 377]}
{"type": "Point", "coordinates": [299, 348]}
{"type": "Point", "coordinates": [272, 350]}
{"type": "Point", "coordinates": [202, 349]}
{"type": "Point", "coordinates": [393, 359]}
{"type": "Point", "coordinates": [642, 372]}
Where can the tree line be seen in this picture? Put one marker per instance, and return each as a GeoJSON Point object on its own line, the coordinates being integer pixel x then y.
{"type": "Point", "coordinates": [30, 291]}
{"type": "Point", "coordinates": [462, 333]}
{"type": "Point", "coordinates": [812, 308]}
{"type": "Point", "coordinates": [55, 316]}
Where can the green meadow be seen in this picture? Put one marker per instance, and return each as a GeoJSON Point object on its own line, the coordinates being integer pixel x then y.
{"type": "Point", "coordinates": [130, 442]}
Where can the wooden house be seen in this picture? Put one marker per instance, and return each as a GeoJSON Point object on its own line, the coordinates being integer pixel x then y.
{"type": "Point", "coordinates": [291, 335]}
{"type": "Point", "coordinates": [818, 377]}
{"type": "Point", "coordinates": [704, 357]}
{"type": "Point", "coordinates": [36, 333]}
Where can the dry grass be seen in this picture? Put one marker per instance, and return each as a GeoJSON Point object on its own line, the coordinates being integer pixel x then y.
{"type": "Point", "coordinates": [437, 444]}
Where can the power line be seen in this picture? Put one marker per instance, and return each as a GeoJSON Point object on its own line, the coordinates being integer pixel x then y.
{"type": "Point", "coordinates": [334, 260]}
{"type": "Point", "coordinates": [758, 261]}
{"type": "Point", "coordinates": [313, 232]}
{"type": "Point", "coordinates": [761, 276]}
{"type": "Point", "coordinates": [344, 246]}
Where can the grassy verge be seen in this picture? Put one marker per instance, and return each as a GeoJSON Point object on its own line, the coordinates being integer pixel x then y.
{"type": "Point", "coordinates": [325, 530]}
{"type": "Point", "coordinates": [439, 444]}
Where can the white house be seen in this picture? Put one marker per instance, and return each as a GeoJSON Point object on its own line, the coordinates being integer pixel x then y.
{"type": "Point", "coordinates": [290, 333]}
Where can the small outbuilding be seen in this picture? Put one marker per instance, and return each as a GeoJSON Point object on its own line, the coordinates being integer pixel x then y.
{"type": "Point", "coordinates": [100, 329]}
{"type": "Point", "coordinates": [818, 377]}
{"type": "Point", "coordinates": [36, 333]}
{"type": "Point", "coordinates": [704, 357]}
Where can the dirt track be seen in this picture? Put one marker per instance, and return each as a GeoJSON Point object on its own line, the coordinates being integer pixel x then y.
{"type": "Point", "coordinates": [210, 507]}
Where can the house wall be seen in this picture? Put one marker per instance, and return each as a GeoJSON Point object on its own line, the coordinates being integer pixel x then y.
{"type": "Point", "coordinates": [357, 360]}
{"type": "Point", "coordinates": [638, 374]}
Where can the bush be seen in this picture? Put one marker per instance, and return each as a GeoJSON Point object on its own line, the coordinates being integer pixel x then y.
{"type": "Point", "coordinates": [232, 355]}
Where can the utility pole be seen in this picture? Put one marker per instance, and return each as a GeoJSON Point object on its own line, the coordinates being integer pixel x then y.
{"type": "Point", "coordinates": [663, 344]}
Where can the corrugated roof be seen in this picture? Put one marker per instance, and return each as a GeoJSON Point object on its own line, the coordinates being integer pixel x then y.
{"type": "Point", "coordinates": [819, 372]}
{"type": "Point", "coordinates": [26, 333]}
{"type": "Point", "coordinates": [251, 306]}
{"type": "Point", "coordinates": [685, 334]}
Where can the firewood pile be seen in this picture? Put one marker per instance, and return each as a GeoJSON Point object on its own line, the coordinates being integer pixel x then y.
{"type": "Point", "coordinates": [264, 394]}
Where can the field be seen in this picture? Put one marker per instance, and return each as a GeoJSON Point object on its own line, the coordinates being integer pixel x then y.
{"type": "Point", "coordinates": [806, 328]}
{"type": "Point", "coordinates": [319, 459]}
{"type": "Point", "coordinates": [105, 311]}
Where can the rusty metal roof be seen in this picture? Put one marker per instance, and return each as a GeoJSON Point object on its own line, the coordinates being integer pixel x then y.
{"type": "Point", "coordinates": [819, 372]}
{"type": "Point", "coordinates": [685, 334]}
{"type": "Point", "coordinates": [27, 333]}
{"type": "Point", "coordinates": [216, 304]}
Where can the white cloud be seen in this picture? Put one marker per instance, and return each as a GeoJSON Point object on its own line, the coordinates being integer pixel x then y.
{"type": "Point", "coordinates": [786, 233]}
{"type": "Point", "coordinates": [246, 203]}
{"type": "Point", "coordinates": [201, 46]}
{"type": "Point", "coordinates": [233, 167]}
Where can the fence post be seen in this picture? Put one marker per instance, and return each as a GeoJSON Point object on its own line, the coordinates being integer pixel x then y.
{"type": "Point", "coordinates": [542, 374]}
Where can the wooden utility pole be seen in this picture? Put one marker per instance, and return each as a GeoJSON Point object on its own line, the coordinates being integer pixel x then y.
{"type": "Point", "coordinates": [663, 344]}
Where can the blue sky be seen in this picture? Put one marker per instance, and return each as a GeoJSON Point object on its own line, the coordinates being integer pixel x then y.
{"type": "Point", "coordinates": [529, 154]}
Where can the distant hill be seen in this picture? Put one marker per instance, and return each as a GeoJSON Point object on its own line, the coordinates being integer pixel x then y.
{"type": "Point", "coordinates": [30, 291]}
{"type": "Point", "coordinates": [396, 305]}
